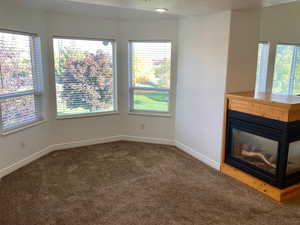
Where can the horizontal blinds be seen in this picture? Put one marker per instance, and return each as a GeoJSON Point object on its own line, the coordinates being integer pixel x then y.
{"type": "Point", "coordinates": [84, 76]}
{"type": "Point", "coordinates": [151, 64]}
{"type": "Point", "coordinates": [18, 111]}
{"type": "Point", "coordinates": [150, 76]}
{"type": "Point", "coordinates": [19, 98]}
{"type": "Point", "coordinates": [16, 67]}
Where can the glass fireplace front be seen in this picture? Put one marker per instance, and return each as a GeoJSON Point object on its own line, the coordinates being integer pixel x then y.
{"type": "Point", "coordinates": [293, 165]}
{"type": "Point", "coordinates": [265, 148]}
{"type": "Point", "coordinates": [255, 150]}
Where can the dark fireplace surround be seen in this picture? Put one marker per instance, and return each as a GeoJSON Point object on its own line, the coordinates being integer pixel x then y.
{"type": "Point", "coordinates": [264, 148]}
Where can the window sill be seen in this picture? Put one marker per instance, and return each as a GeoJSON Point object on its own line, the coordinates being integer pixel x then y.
{"type": "Point", "coordinates": [15, 130]}
{"type": "Point", "coordinates": [150, 114]}
{"type": "Point", "coordinates": [86, 115]}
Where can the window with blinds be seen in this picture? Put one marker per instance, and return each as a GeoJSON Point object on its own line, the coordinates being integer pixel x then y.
{"type": "Point", "coordinates": [150, 76]}
{"type": "Point", "coordinates": [20, 79]}
{"type": "Point", "coordinates": [84, 72]}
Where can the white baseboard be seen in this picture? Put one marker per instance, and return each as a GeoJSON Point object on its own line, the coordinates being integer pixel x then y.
{"type": "Point", "coordinates": [162, 141]}
{"type": "Point", "coordinates": [210, 162]}
{"type": "Point", "coordinates": [24, 162]}
{"type": "Point", "coordinates": [75, 144]}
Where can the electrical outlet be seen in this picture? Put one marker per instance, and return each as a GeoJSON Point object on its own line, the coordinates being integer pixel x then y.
{"type": "Point", "coordinates": [22, 144]}
{"type": "Point", "coordinates": [142, 126]}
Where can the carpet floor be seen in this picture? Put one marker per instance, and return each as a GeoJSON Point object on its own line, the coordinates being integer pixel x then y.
{"type": "Point", "coordinates": [128, 183]}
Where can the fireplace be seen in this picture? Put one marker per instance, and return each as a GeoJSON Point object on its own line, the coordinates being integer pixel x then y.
{"type": "Point", "coordinates": [265, 148]}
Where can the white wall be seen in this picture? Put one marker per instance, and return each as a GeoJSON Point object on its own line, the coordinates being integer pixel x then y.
{"type": "Point", "coordinates": [202, 69]}
{"type": "Point", "coordinates": [155, 127]}
{"type": "Point", "coordinates": [35, 138]}
{"type": "Point", "coordinates": [280, 23]}
{"type": "Point", "coordinates": [242, 59]}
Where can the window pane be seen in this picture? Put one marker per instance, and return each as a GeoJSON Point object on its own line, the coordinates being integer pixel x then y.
{"type": "Point", "coordinates": [18, 111]}
{"type": "Point", "coordinates": [84, 76]}
{"type": "Point", "coordinates": [151, 100]}
{"type": "Point", "coordinates": [15, 63]}
{"type": "Point", "coordinates": [262, 67]}
{"type": "Point", "coordinates": [296, 89]}
{"type": "Point", "coordinates": [151, 64]}
{"type": "Point", "coordinates": [282, 70]}
{"type": "Point", "coordinates": [293, 165]}
{"type": "Point", "coordinates": [265, 150]}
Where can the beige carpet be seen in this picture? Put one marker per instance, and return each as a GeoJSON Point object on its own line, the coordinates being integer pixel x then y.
{"type": "Point", "coordinates": [127, 183]}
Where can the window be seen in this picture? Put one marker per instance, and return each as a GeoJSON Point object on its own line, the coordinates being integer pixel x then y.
{"type": "Point", "coordinates": [150, 75]}
{"type": "Point", "coordinates": [84, 72]}
{"type": "Point", "coordinates": [20, 77]}
{"type": "Point", "coordinates": [286, 79]}
{"type": "Point", "coordinates": [262, 67]}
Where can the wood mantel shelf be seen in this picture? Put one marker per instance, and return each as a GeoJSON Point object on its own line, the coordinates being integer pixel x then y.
{"type": "Point", "coordinates": [277, 107]}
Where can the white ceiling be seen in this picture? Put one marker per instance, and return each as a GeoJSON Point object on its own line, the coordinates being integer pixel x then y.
{"type": "Point", "coordinates": [178, 7]}
{"type": "Point", "coordinates": [144, 8]}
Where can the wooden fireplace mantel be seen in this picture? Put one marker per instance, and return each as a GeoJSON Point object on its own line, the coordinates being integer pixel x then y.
{"type": "Point", "coordinates": [277, 107]}
{"type": "Point", "coordinates": [282, 108]}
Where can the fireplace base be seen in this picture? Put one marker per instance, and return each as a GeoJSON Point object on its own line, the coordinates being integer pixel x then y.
{"type": "Point", "coordinates": [279, 195]}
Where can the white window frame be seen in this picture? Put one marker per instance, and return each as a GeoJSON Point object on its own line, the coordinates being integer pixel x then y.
{"type": "Point", "coordinates": [271, 66]}
{"type": "Point", "coordinates": [115, 83]}
{"type": "Point", "coordinates": [261, 83]}
{"type": "Point", "coordinates": [132, 88]}
{"type": "Point", "coordinates": [37, 91]}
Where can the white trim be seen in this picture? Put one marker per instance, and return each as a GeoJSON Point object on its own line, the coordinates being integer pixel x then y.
{"type": "Point", "coordinates": [268, 3]}
{"type": "Point", "coordinates": [86, 115]}
{"type": "Point", "coordinates": [132, 88]}
{"type": "Point", "coordinates": [75, 144]}
{"type": "Point", "coordinates": [82, 38]}
{"type": "Point", "coordinates": [210, 162]}
{"type": "Point", "coordinates": [162, 141]}
{"type": "Point", "coordinates": [23, 162]}
{"type": "Point", "coordinates": [114, 72]}
{"type": "Point", "coordinates": [22, 127]}
{"type": "Point", "coordinates": [150, 114]}
{"type": "Point", "coordinates": [17, 94]}
{"type": "Point", "coordinates": [149, 89]}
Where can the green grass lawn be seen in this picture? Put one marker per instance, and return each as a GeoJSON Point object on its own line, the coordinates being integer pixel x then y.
{"type": "Point", "coordinates": [63, 110]}
{"type": "Point", "coordinates": [151, 100]}
{"type": "Point", "coordinates": [143, 100]}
